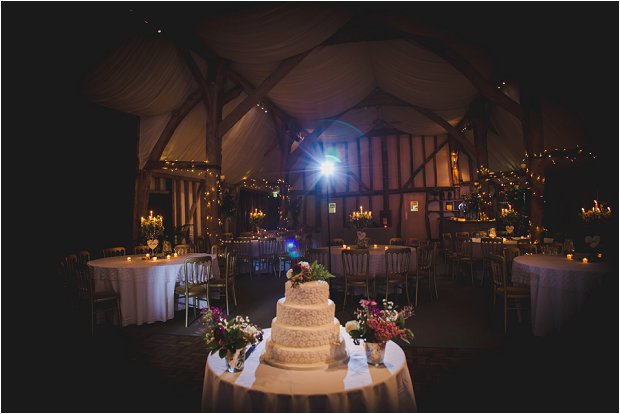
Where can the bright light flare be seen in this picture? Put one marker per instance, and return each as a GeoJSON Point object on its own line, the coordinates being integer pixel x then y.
{"type": "Point", "coordinates": [328, 167]}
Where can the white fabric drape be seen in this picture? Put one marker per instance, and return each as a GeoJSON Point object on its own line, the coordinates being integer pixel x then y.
{"type": "Point", "coordinates": [150, 130]}
{"type": "Point", "coordinates": [274, 33]}
{"type": "Point", "coordinates": [146, 76]}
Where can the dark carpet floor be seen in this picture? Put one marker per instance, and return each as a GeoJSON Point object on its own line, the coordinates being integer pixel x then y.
{"type": "Point", "coordinates": [460, 360]}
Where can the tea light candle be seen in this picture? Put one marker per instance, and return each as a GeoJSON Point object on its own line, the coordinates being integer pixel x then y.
{"type": "Point", "coordinates": [168, 257]}
{"type": "Point", "coordinates": [148, 256]}
{"type": "Point", "coordinates": [599, 255]}
{"type": "Point", "coordinates": [348, 247]}
{"type": "Point", "coordinates": [344, 246]}
{"type": "Point", "coordinates": [176, 254]}
{"type": "Point", "coordinates": [375, 246]}
{"type": "Point", "coordinates": [569, 256]}
{"type": "Point", "coordinates": [385, 247]}
{"type": "Point", "coordinates": [154, 258]}
{"type": "Point", "coordinates": [129, 258]}
{"type": "Point", "coordinates": [585, 260]}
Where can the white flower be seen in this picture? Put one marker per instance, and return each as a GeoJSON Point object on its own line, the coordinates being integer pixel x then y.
{"type": "Point", "coordinates": [304, 265]}
{"type": "Point", "coordinates": [352, 326]}
{"type": "Point", "coordinates": [289, 273]}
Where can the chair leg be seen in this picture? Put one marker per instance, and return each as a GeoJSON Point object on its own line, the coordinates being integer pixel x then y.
{"type": "Point", "coordinates": [407, 291]}
{"type": "Point", "coordinates": [186, 309]}
{"type": "Point", "coordinates": [435, 283]}
{"type": "Point", "coordinates": [226, 293]}
{"type": "Point", "coordinates": [417, 288]}
{"type": "Point", "coordinates": [346, 289]}
{"type": "Point", "coordinates": [505, 313]}
{"type": "Point", "coordinates": [92, 319]}
{"type": "Point", "coordinates": [234, 294]}
{"type": "Point", "coordinates": [118, 312]}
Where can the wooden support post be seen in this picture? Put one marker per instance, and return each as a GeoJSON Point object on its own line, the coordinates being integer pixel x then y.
{"type": "Point", "coordinates": [141, 201]}
{"type": "Point", "coordinates": [533, 137]}
{"type": "Point", "coordinates": [386, 181]}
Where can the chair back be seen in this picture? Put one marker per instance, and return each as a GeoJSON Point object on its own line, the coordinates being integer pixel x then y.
{"type": "Point", "coordinates": [497, 265]}
{"type": "Point", "coordinates": [479, 234]}
{"type": "Point", "coordinates": [336, 242]}
{"type": "Point", "coordinates": [83, 281]}
{"type": "Point", "coordinates": [509, 255]}
{"type": "Point", "coordinates": [397, 261]}
{"type": "Point", "coordinates": [228, 265]}
{"type": "Point", "coordinates": [113, 251]}
{"type": "Point", "coordinates": [218, 249]}
{"type": "Point", "coordinates": [425, 257]}
{"type": "Point", "coordinates": [183, 249]}
{"type": "Point", "coordinates": [396, 241]}
{"type": "Point", "coordinates": [141, 249]}
{"type": "Point", "coordinates": [492, 245]}
{"type": "Point", "coordinates": [319, 255]}
{"type": "Point", "coordinates": [83, 256]}
{"type": "Point", "coordinates": [446, 241]}
{"type": "Point", "coordinates": [463, 246]}
{"type": "Point", "coordinates": [67, 269]}
{"type": "Point", "coordinates": [526, 247]}
{"type": "Point", "coordinates": [462, 234]}
{"type": "Point", "coordinates": [227, 236]}
{"type": "Point", "coordinates": [356, 263]}
{"type": "Point", "coordinates": [196, 270]}
{"type": "Point", "coordinates": [202, 244]}
{"type": "Point", "coordinates": [267, 247]}
{"type": "Point", "coordinates": [243, 248]}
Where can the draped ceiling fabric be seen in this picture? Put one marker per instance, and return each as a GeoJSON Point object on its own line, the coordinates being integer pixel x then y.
{"type": "Point", "coordinates": [149, 77]}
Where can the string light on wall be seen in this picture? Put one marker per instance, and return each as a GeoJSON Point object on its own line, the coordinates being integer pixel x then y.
{"type": "Point", "coordinates": [557, 154]}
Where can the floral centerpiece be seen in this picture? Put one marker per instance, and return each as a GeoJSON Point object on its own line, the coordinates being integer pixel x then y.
{"type": "Point", "coordinates": [152, 227]}
{"type": "Point", "coordinates": [229, 338]}
{"type": "Point", "coordinates": [303, 272]}
{"type": "Point", "coordinates": [377, 326]}
{"type": "Point", "coordinates": [256, 218]}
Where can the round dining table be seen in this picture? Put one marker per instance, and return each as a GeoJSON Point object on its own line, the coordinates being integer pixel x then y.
{"type": "Point", "coordinates": [145, 287]}
{"type": "Point", "coordinates": [353, 386]}
{"type": "Point", "coordinates": [559, 287]}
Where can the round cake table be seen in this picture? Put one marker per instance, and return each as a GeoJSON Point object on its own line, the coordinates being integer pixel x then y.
{"type": "Point", "coordinates": [351, 387]}
{"type": "Point", "coordinates": [558, 287]}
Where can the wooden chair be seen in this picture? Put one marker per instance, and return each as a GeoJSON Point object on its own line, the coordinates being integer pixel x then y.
{"type": "Point", "coordinates": [463, 248]}
{"type": "Point", "coordinates": [83, 256]}
{"type": "Point", "coordinates": [226, 281]}
{"type": "Point", "coordinates": [396, 269]}
{"type": "Point", "coordinates": [202, 244]}
{"type": "Point", "coordinates": [509, 254]}
{"type": "Point", "coordinates": [113, 251]}
{"type": "Point", "coordinates": [142, 249]}
{"type": "Point", "coordinates": [526, 247]}
{"type": "Point", "coordinates": [266, 254]}
{"type": "Point", "coordinates": [490, 246]}
{"type": "Point", "coordinates": [396, 241]}
{"type": "Point", "coordinates": [108, 300]}
{"type": "Point", "coordinates": [425, 268]}
{"type": "Point", "coordinates": [243, 250]}
{"type": "Point", "coordinates": [356, 270]}
{"type": "Point", "coordinates": [183, 249]}
{"type": "Point", "coordinates": [196, 273]}
{"type": "Point", "coordinates": [506, 291]}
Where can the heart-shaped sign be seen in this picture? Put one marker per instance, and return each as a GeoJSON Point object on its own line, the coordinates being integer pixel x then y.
{"type": "Point", "coordinates": [593, 241]}
{"type": "Point", "coordinates": [361, 235]}
{"type": "Point", "coordinates": [510, 229]}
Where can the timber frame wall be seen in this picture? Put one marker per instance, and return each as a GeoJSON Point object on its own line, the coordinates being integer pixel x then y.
{"type": "Point", "coordinates": [382, 173]}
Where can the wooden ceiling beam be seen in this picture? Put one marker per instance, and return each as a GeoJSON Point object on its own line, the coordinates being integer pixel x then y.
{"type": "Point", "coordinates": [259, 93]}
{"type": "Point", "coordinates": [175, 120]}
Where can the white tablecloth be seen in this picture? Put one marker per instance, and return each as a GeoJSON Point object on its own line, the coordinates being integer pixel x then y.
{"type": "Point", "coordinates": [558, 287]}
{"type": "Point", "coordinates": [354, 387]}
{"type": "Point", "coordinates": [145, 287]}
{"type": "Point", "coordinates": [377, 260]}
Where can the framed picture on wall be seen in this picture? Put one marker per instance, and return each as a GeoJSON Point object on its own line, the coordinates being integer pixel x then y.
{"type": "Point", "coordinates": [332, 208]}
{"type": "Point", "coordinates": [413, 205]}
{"type": "Point", "coordinates": [449, 206]}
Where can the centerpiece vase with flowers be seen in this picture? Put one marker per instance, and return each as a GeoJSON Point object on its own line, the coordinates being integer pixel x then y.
{"type": "Point", "coordinates": [376, 326]}
{"type": "Point", "coordinates": [152, 227]}
{"type": "Point", "coordinates": [230, 338]}
{"type": "Point", "coordinates": [360, 220]}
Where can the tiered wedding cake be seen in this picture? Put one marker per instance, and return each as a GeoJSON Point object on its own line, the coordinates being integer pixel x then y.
{"type": "Point", "coordinates": [305, 334]}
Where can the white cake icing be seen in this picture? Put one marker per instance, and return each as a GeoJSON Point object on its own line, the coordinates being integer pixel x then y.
{"type": "Point", "coordinates": [305, 334]}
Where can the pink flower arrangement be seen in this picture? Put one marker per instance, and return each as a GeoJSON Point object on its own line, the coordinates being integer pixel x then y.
{"type": "Point", "coordinates": [222, 335]}
{"type": "Point", "coordinates": [374, 324]}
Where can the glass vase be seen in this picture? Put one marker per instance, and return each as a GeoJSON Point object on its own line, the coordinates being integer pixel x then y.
{"type": "Point", "coordinates": [235, 360]}
{"type": "Point", "coordinates": [375, 352]}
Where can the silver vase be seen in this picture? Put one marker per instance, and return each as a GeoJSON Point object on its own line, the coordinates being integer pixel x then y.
{"type": "Point", "coordinates": [375, 352]}
{"type": "Point", "coordinates": [235, 360]}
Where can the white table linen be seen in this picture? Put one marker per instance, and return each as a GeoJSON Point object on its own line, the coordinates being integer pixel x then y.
{"type": "Point", "coordinates": [145, 287]}
{"type": "Point", "coordinates": [558, 287]}
{"type": "Point", "coordinates": [351, 387]}
{"type": "Point", "coordinates": [377, 260]}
